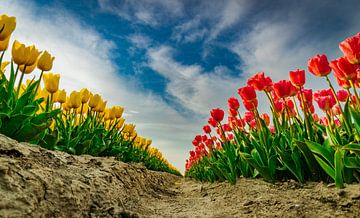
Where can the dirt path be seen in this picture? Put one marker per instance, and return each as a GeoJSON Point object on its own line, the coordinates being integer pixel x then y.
{"type": "Point", "coordinates": [39, 183]}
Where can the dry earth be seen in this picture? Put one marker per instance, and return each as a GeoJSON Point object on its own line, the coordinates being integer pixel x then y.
{"type": "Point", "coordinates": [39, 183]}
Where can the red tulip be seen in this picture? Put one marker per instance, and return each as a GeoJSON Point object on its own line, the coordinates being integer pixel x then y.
{"type": "Point", "coordinates": [195, 142]}
{"type": "Point", "coordinates": [266, 118]}
{"type": "Point", "coordinates": [217, 114]}
{"type": "Point", "coordinates": [212, 122]}
{"type": "Point", "coordinates": [336, 110]}
{"type": "Point", "coordinates": [250, 105]}
{"type": "Point", "coordinates": [343, 83]}
{"type": "Point", "coordinates": [279, 105]}
{"type": "Point", "coordinates": [297, 77]}
{"type": "Point", "coordinates": [282, 88]}
{"type": "Point", "coordinates": [198, 138]}
{"type": "Point", "coordinates": [249, 116]}
{"type": "Point", "coordinates": [325, 99]}
{"type": "Point", "coordinates": [342, 95]}
{"type": "Point", "coordinates": [319, 65]}
{"type": "Point", "coordinates": [207, 129]}
{"type": "Point", "coordinates": [233, 112]}
{"type": "Point", "coordinates": [343, 69]}
{"type": "Point", "coordinates": [324, 121]}
{"type": "Point", "coordinates": [290, 104]}
{"type": "Point", "coordinates": [247, 93]}
{"type": "Point", "coordinates": [233, 103]}
{"type": "Point", "coordinates": [260, 82]}
{"type": "Point", "coordinates": [315, 117]}
{"type": "Point", "coordinates": [307, 95]}
{"type": "Point", "coordinates": [351, 49]}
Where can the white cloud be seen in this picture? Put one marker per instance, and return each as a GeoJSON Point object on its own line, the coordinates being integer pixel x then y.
{"type": "Point", "coordinates": [195, 89]}
{"type": "Point", "coordinates": [83, 58]}
{"type": "Point", "coordinates": [144, 12]}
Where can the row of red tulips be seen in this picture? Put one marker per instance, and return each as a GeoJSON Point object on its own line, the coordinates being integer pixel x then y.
{"type": "Point", "coordinates": [301, 146]}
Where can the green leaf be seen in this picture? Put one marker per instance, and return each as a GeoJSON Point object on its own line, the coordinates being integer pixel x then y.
{"type": "Point", "coordinates": [326, 167]}
{"type": "Point", "coordinates": [339, 168]}
{"type": "Point", "coordinates": [322, 151]}
{"type": "Point", "coordinates": [351, 147]}
{"type": "Point", "coordinates": [352, 162]}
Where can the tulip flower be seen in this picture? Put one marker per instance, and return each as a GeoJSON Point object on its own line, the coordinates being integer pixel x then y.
{"type": "Point", "coordinates": [27, 69]}
{"type": "Point", "coordinates": [18, 53]}
{"type": "Point", "coordinates": [85, 95]}
{"type": "Point", "coordinates": [260, 82]}
{"type": "Point", "coordinates": [297, 77]}
{"type": "Point", "coordinates": [3, 66]}
{"type": "Point", "coordinates": [351, 49]}
{"type": "Point", "coordinates": [283, 88]}
{"type": "Point", "coordinates": [60, 96]}
{"type": "Point", "coordinates": [247, 93]}
{"type": "Point", "coordinates": [118, 111]}
{"type": "Point", "coordinates": [233, 103]}
{"type": "Point", "coordinates": [45, 62]}
{"type": "Point", "coordinates": [279, 105]}
{"type": "Point", "coordinates": [345, 84]}
{"type": "Point", "coordinates": [94, 101]}
{"type": "Point", "coordinates": [7, 26]}
{"type": "Point", "coordinates": [250, 105]}
{"type": "Point", "coordinates": [217, 114]}
{"type": "Point", "coordinates": [75, 99]}
{"type": "Point", "coordinates": [232, 112]}
{"type": "Point", "coordinates": [101, 106]}
{"type": "Point", "coordinates": [4, 44]}
{"type": "Point", "coordinates": [319, 65]}
{"type": "Point", "coordinates": [51, 82]}
{"type": "Point", "coordinates": [342, 95]}
{"type": "Point", "coordinates": [307, 95]}
{"type": "Point", "coordinates": [325, 99]}
{"type": "Point", "coordinates": [207, 129]}
{"type": "Point", "coordinates": [266, 118]}
{"type": "Point", "coordinates": [343, 69]}
{"type": "Point", "coordinates": [212, 122]}
{"type": "Point", "coordinates": [31, 53]}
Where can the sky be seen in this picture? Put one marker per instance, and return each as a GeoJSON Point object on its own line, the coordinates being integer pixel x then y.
{"type": "Point", "coordinates": [169, 62]}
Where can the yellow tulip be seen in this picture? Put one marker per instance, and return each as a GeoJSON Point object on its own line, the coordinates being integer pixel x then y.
{"type": "Point", "coordinates": [7, 26]}
{"type": "Point", "coordinates": [3, 66]}
{"type": "Point", "coordinates": [18, 53]}
{"type": "Point", "coordinates": [101, 106]}
{"type": "Point", "coordinates": [31, 53]}
{"type": "Point", "coordinates": [148, 142]}
{"type": "Point", "coordinates": [94, 101]}
{"type": "Point", "coordinates": [60, 96]}
{"type": "Point", "coordinates": [51, 82]}
{"type": "Point", "coordinates": [4, 44]}
{"type": "Point", "coordinates": [118, 111]}
{"type": "Point", "coordinates": [85, 95]}
{"type": "Point", "coordinates": [75, 100]}
{"type": "Point", "coordinates": [120, 123]}
{"type": "Point", "coordinates": [28, 69]}
{"type": "Point", "coordinates": [45, 62]}
{"type": "Point", "coordinates": [66, 105]}
{"type": "Point", "coordinates": [112, 113]}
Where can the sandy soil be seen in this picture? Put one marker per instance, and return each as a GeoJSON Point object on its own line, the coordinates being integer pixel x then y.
{"type": "Point", "coordinates": [39, 183]}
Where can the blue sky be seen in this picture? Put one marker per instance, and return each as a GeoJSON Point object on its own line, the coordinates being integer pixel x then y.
{"type": "Point", "coordinates": [168, 62]}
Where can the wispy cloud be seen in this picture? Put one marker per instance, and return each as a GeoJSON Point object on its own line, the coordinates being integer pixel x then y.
{"type": "Point", "coordinates": [195, 89]}
{"type": "Point", "coordinates": [146, 12]}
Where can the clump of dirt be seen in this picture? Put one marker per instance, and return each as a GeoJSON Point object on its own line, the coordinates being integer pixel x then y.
{"type": "Point", "coordinates": [35, 182]}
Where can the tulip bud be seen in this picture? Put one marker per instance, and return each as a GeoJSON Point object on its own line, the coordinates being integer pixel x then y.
{"type": "Point", "coordinates": [60, 96]}
{"type": "Point", "coordinates": [94, 101]}
{"type": "Point", "coordinates": [31, 53]}
{"type": "Point", "coordinates": [27, 69]}
{"type": "Point", "coordinates": [45, 62]}
{"type": "Point", "coordinates": [75, 100]}
{"type": "Point", "coordinates": [7, 26]}
{"type": "Point", "coordinates": [18, 53]}
{"type": "Point", "coordinates": [4, 44]}
{"type": "Point", "coordinates": [118, 111]}
{"type": "Point", "coordinates": [120, 123]}
{"type": "Point", "coordinates": [85, 95]}
{"type": "Point", "coordinates": [51, 82]}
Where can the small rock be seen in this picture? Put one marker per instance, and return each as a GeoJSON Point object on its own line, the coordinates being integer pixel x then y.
{"type": "Point", "coordinates": [247, 203]}
{"type": "Point", "coordinates": [331, 185]}
{"type": "Point", "coordinates": [342, 193]}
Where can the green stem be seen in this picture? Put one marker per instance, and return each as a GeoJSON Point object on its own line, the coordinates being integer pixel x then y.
{"type": "Point", "coordinates": [19, 85]}
{"type": "Point", "coordinates": [356, 94]}
{"type": "Point", "coordinates": [306, 118]}
{"type": "Point", "coordinates": [296, 108]}
{"type": "Point", "coordinates": [347, 126]}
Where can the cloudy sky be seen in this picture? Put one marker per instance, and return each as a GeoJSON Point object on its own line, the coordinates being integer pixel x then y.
{"type": "Point", "coordinates": [168, 62]}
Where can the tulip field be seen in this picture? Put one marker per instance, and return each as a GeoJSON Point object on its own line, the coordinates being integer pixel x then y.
{"type": "Point", "coordinates": [295, 141]}
{"type": "Point", "coordinates": [37, 111]}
